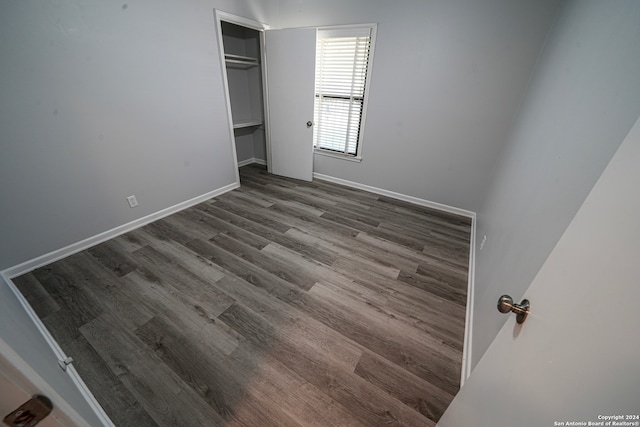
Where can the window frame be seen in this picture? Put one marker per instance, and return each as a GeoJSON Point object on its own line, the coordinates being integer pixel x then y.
{"type": "Point", "coordinates": [360, 142]}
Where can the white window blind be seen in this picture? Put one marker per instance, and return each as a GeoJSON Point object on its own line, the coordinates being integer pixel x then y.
{"type": "Point", "coordinates": [342, 59]}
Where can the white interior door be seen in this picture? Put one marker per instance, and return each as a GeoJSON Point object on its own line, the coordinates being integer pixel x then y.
{"type": "Point", "coordinates": [577, 356]}
{"type": "Point", "coordinates": [290, 79]}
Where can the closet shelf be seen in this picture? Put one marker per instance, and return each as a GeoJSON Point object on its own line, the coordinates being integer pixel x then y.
{"type": "Point", "coordinates": [248, 124]}
{"type": "Point", "coordinates": [238, 61]}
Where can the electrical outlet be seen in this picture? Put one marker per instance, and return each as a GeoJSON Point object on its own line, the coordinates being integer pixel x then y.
{"type": "Point", "coordinates": [484, 240]}
{"type": "Point", "coordinates": [133, 202]}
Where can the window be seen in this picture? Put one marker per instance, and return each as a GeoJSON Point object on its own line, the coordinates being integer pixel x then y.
{"type": "Point", "coordinates": [343, 62]}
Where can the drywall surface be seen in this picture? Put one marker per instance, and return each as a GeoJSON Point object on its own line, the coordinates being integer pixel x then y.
{"type": "Point", "coordinates": [447, 79]}
{"type": "Point", "coordinates": [583, 99]}
{"type": "Point", "coordinates": [102, 100]}
{"type": "Point", "coordinates": [18, 331]}
{"type": "Point", "coordinates": [565, 365]}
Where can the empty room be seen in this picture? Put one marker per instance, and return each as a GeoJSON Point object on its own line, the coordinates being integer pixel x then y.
{"type": "Point", "coordinates": [304, 212]}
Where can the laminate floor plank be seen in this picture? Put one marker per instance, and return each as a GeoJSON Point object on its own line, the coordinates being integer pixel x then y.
{"type": "Point", "coordinates": [353, 203]}
{"type": "Point", "coordinates": [39, 298]}
{"type": "Point", "coordinates": [445, 271]}
{"type": "Point", "coordinates": [207, 374]}
{"type": "Point", "coordinates": [345, 249]}
{"type": "Point", "coordinates": [413, 391]}
{"type": "Point", "coordinates": [273, 195]}
{"type": "Point", "coordinates": [352, 323]}
{"type": "Point", "coordinates": [285, 389]}
{"type": "Point", "coordinates": [240, 266]}
{"type": "Point", "coordinates": [111, 255]}
{"type": "Point", "coordinates": [344, 193]}
{"type": "Point", "coordinates": [392, 340]}
{"type": "Point", "coordinates": [355, 214]}
{"type": "Point", "coordinates": [300, 219]}
{"type": "Point", "coordinates": [171, 230]}
{"type": "Point", "coordinates": [254, 198]}
{"type": "Point", "coordinates": [303, 200]}
{"type": "Point", "coordinates": [383, 342]}
{"type": "Point", "coordinates": [344, 228]}
{"type": "Point", "coordinates": [109, 292]}
{"type": "Point", "coordinates": [185, 224]}
{"type": "Point", "coordinates": [422, 210]}
{"type": "Point", "coordinates": [346, 260]}
{"type": "Point", "coordinates": [293, 322]}
{"type": "Point", "coordinates": [382, 283]}
{"type": "Point", "coordinates": [76, 305]}
{"type": "Point", "coordinates": [262, 177]}
{"type": "Point", "coordinates": [434, 315]}
{"type": "Point", "coordinates": [411, 221]}
{"type": "Point", "coordinates": [237, 233]}
{"type": "Point", "coordinates": [265, 235]}
{"type": "Point", "coordinates": [436, 285]}
{"type": "Point", "coordinates": [163, 394]}
{"type": "Point", "coordinates": [430, 236]}
{"type": "Point", "coordinates": [276, 266]}
{"type": "Point", "coordinates": [409, 242]}
{"type": "Point", "coordinates": [429, 252]}
{"type": "Point", "coordinates": [187, 286]}
{"type": "Point", "coordinates": [280, 303]}
{"type": "Point", "coordinates": [377, 407]}
{"type": "Point", "coordinates": [443, 330]}
{"type": "Point", "coordinates": [168, 303]}
{"type": "Point", "coordinates": [187, 259]}
{"type": "Point", "coordinates": [197, 220]}
{"type": "Point", "coordinates": [129, 242]}
{"type": "Point", "coordinates": [116, 399]}
{"type": "Point", "coordinates": [247, 211]}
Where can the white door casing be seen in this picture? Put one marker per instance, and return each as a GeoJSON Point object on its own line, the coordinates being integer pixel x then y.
{"type": "Point", "coordinates": [19, 382]}
{"type": "Point", "coordinates": [290, 79]}
{"type": "Point", "coordinates": [577, 356]}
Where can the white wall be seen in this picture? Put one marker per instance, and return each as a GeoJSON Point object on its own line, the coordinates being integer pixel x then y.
{"type": "Point", "coordinates": [447, 79]}
{"type": "Point", "coordinates": [583, 99]}
{"type": "Point", "coordinates": [101, 100]}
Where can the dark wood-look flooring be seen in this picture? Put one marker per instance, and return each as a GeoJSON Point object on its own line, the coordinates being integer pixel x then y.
{"type": "Point", "coordinates": [281, 303]}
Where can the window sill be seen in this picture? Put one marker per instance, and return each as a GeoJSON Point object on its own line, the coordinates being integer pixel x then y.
{"type": "Point", "coordinates": [321, 152]}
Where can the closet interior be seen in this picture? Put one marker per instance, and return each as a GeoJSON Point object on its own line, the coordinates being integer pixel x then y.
{"type": "Point", "coordinates": [242, 53]}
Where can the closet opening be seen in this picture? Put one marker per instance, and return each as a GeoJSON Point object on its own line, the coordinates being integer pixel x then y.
{"type": "Point", "coordinates": [242, 47]}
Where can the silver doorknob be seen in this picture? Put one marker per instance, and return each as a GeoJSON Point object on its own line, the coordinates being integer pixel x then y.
{"type": "Point", "coordinates": [309, 123]}
{"type": "Point", "coordinates": [506, 305]}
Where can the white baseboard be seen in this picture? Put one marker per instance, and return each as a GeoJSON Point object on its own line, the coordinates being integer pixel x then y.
{"type": "Point", "coordinates": [468, 330]}
{"type": "Point", "coordinates": [73, 248]}
{"type": "Point", "coordinates": [251, 161]}
{"type": "Point", "coordinates": [398, 196]}
{"type": "Point", "coordinates": [468, 324]}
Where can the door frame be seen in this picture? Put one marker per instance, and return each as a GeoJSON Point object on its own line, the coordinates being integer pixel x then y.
{"type": "Point", "coordinates": [222, 16]}
{"type": "Point", "coordinates": [19, 379]}
{"type": "Point", "coordinates": [26, 378]}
